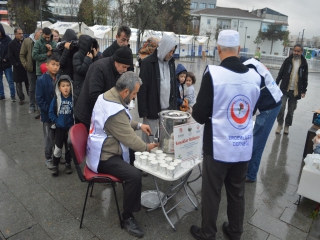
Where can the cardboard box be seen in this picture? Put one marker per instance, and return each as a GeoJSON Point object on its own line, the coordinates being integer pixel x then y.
{"type": "Point", "coordinates": [309, 184]}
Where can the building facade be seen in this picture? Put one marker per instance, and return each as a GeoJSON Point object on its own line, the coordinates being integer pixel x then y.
{"type": "Point", "coordinates": [246, 23]}
{"type": "Point", "coordinates": [197, 5]}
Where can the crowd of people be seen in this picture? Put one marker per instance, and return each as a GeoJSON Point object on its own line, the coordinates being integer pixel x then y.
{"type": "Point", "coordinates": [67, 83]}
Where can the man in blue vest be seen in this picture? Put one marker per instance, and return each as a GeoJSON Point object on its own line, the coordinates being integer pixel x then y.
{"type": "Point", "coordinates": [225, 104]}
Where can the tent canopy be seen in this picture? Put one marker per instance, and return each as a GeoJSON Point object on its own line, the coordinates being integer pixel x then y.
{"type": "Point", "coordinates": [44, 24]}
{"type": "Point", "coordinates": [63, 26]}
{"type": "Point", "coordinates": [7, 28]}
{"type": "Point", "coordinates": [103, 31]}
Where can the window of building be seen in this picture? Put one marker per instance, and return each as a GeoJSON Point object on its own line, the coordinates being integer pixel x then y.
{"type": "Point", "coordinates": [202, 5]}
{"type": "Point", "coordinates": [210, 6]}
{"type": "Point", "coordinates": [241, 24]}
{"type": "Point", "coordinates": [59, 10]}
{"type": "Point", "coordinates": [194, 5]}
{"type": "Point", "coordinates": [235, 24]}
{"type": "Point", "coordinates": [208, 21]}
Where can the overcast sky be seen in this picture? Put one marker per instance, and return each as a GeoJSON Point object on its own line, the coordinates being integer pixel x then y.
{"type": "Point", "coordinates": [303, 14]}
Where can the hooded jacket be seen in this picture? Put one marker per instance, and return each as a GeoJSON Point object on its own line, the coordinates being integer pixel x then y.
{"type": "Point", "coordinates": [26, 53]}
{"type": "Point", "coordinates": [109, 51]}
{"type": "Point", "coordinates": [150, 91]}
{"type": "Point", "coordinates": [61, 108]}
{"type": "Point", "coordinates": [180, 87]}
{"type": "Point", "coordinates": [19, 72]}
{"type": "Point", "coordinates": [81, 63]}
{"type": "Point", "coordinates": [39, 52]}
{"type": "Point", "coordinates": [285, 73]}
{"type": "Point", "coordinates": [4, 42]}
{"type": "Point", "coordinates": [101, 77]}
{"type": "Point", "coordinates": [66, 55]}
{"type": "Point", "coordinates": [44, 95]}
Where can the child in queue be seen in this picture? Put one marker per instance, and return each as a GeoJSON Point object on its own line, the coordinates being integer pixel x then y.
{"type": "Point", "coordinates": [44, 95]}
{"type": "Point", "coordinates": [61, 115]}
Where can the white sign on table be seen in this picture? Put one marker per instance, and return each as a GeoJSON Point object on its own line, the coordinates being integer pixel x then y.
{"type": "Point", "coordinates": [188, 141]}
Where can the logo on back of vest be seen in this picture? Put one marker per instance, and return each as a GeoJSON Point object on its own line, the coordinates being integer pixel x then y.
{"type": "Point", "coordinates": [239, 111]}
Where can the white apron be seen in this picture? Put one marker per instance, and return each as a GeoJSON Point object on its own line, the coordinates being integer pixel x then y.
{"type": "Point", "coordinates": [235, 96]}
{"type": "Point", "coordinates": [103, 109]}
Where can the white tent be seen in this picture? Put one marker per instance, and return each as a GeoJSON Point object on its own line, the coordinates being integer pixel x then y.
{"type": "Point", "coordinates": [184, 39]}
{"type": "Point", "coordinates": [103, 31]}
{"type": "Point", "coordinates": [201, 39]}
{"type": "Point", "coordinates": [63, 26]}
{"type": "Point", "coordinates": [44, 24]}
{"type": "Point", "coordinates": [7, 28]}
{"type": "Point", "coordinates": [157, 34]}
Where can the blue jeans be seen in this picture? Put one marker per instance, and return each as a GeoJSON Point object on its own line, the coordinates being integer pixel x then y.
{"type": "Point", "coordinates": [8, 74]}
{"type": "Point", "coordinates": [261, 131]}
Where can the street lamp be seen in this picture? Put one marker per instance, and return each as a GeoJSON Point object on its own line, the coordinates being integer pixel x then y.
{"type": "Point", "coordinates": [193, 42]}
{"type": "Point", "coordinates": [245, 38]}
{"type": "Point", "coordinates": [112, 28]}
{"type": "Point", "coordinates": [302, 38]}
{"type": "Point", "coordinates": [24, 23]}
{"type": "Point", "coordinates": [80, 26]}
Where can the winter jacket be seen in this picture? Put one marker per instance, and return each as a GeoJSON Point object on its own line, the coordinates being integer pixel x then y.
{"type": "Point", "coordinates": [270, 94]}
{"type": "Point", "coordinates": [19, 72]}
{"type": "Point", "coordinates": [4, 42]}
{"type": "Point", "coordinates": [61, 108]}
{"type": "Point", "coordinates": [26, 53]}
{"type": "Point", "coordinates": [121, 130]}
{"type": "Point", "coordinates": [285, 72]}
{"type": "Point", "coordinates": [149, 94]}
{"type": "Point", "coordinates": [101, 77]}
{"type": "Point", "coordinates": [109, 51]}
{"type": "Point", "coordinates": [44, 95]}
{"type": "Point", "coordinates": [81, 63]}
{"type": "Point", "coordinates": [66, 55]}
{"type": "Point", "coordinates": [39, 52]}
{"type": "Point", "coordinates": [180, 87]}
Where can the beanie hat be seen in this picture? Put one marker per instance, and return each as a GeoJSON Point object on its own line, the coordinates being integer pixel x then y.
{"type": "Point", "coordinates": [123, 55]}
{"type": "Point", "coordinates": [180, 69]}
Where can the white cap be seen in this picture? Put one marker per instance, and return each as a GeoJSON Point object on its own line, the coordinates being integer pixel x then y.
{"type": "Point", "coordinates": [228, 38]}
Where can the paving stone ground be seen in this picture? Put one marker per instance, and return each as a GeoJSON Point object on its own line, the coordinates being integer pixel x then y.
{"type": "Point", "coordinates": [34, 205]}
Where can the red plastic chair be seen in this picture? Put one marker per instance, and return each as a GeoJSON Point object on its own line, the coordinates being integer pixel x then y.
{"type": "Point", "coordinates": [77, 142]}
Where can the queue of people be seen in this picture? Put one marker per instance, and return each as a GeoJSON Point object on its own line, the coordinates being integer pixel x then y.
{"type": "Point", "coordinates": [78, 87]}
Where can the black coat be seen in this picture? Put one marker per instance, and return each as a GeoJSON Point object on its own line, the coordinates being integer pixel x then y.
{"type": "Point", "coordinates": [81, 63]}
{"type": "Point", "coordinates": [285, 72]}
{"type": "Point", "coordinates": [19, 72]}
{"type": "Point", "coordinates": [149, 93]}
{"type": "Point", "coordinates": [101, 77]}
{"type": "Point", "coordinates": [4, 42]}
{"type": "Point", "coordinates": [66, 55]}
{"type": "Point", "coordinates": [109, 51]}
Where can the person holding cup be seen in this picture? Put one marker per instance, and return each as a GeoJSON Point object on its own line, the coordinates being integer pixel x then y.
{"type": "Point", "coordinates": [110, 137]}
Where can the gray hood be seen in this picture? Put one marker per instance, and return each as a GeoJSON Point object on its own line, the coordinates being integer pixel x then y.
{"type": "Point", "coordinates": [31, 36]}
{"type": "Point", "coordinates": [165, 46]}
{"type": "Point", "coordinates": [58, 93]}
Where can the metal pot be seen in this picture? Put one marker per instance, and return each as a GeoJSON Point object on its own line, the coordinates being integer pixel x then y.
{"type": "Point", "coordinates": [167, 120]}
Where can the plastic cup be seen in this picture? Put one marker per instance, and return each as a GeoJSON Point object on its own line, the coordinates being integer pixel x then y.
{"type": "Point", "coordinates": [137, 157]}
{"type": "Point", "coordinates": [154, 165]}
{"type": "Point", "coordinates": [170, 171]}
{"type": "Point", "coordinates": [145, 153]}
{"type": "Point", "coordinates": [168, 160]}
{"type": "Point", "coordinates": [179, 161]}
{"type": "Point", "coordinates": [144, 160]}
{"type": "Point", "coordinates": [151, 159]}
{"type": "Point", "coordinates": [158, 152]}
{"type": "Point", "coordinates": [163, 168]}
{"type": "Point", "coordinates": [152, 155]}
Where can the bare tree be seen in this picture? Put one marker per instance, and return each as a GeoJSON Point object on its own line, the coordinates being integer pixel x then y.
{"type": "Point", "coordinates": [72, 8]}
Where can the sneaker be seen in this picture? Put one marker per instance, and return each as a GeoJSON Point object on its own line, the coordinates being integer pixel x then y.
{"type": "Point", "coordinates": [49, 164]}
{"type": "Point", "coordinates": [37, 115]}
{"type": "Point", "coordinates": [279, 128]}
{"type": "Point", "coordinates": [68, 168]}
{"type": "Point", "coordinates": [286, 129]}
{"type": "Point", "coordinates": [31, 110]}
{"type": "Point", "coordinates": [21, 102]}
{"type": "Point", "coordinates": [55, 171]}
{"type": "Point", "coordinates": [13, 99]}
{"type": "Point", "coordinates": [2, 98]}
{"type": "Point", "coordinates": [62, 160]}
